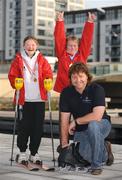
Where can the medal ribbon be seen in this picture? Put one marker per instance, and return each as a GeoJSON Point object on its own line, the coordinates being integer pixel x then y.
{"type": "Point", "coordinates": [31, 71]}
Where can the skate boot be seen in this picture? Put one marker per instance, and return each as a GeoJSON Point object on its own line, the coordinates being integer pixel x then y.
{"type": "Point", "coordinates": [35, 159]}
{"type": "Point", "coordinates": [22, 158]}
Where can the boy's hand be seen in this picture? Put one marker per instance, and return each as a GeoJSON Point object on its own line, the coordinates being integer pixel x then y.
{"type": "Point", "coordinates": [60, 16]}
{"type": "Point", "coordinates": [91, 17]}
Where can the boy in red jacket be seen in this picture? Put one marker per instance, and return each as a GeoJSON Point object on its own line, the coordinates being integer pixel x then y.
{"type": "Point", "coordinates": [70, 50]}
{"type": "Point", "coordinates": [30, 65]}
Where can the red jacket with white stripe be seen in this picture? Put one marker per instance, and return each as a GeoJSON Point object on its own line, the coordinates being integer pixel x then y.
{"type": "Point", "coordinates": [64, 61]}
{"type": "Point", "coordinates": [17, 71]}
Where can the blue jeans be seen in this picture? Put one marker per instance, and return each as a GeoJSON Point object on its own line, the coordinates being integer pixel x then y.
{"type": "Point", "coordinates": [92, 142]}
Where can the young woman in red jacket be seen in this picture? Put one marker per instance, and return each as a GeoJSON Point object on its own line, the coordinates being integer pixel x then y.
{"type": "Point", "coordinates": [70, 49]}
{"type": "Point", "coordinates": [30, 65]}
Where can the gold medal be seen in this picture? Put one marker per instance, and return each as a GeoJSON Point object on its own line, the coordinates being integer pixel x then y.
{"type": "Point", "coordinates": [35, 80]}
{"type": "Point", "coordinates": [70, 65]}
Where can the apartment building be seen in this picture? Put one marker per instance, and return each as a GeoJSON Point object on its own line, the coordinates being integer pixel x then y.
{"type": "Point", "coordinates": [107, 40]}
{"type": "Point", "coordinates": [2, 29]}
{"type": "Point", "coordinates": [69, 5]}
{"type": "Point", "coordinates": [20, 18]}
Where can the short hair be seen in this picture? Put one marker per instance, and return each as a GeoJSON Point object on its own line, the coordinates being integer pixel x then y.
{"type": "Point", "coordinates": [72, 38]}
{"type": "Point", "coordinates": [31, 37]}
{"type": "Point", "coordinates": [78, 67]}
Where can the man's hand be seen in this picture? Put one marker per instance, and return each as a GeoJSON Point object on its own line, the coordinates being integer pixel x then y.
{"type": "Point", "coordinates": [72, 127]}
{"type": "Point", "coordinates": [60, 16]}
{"type": "Point", "coordinates": [91, 17]}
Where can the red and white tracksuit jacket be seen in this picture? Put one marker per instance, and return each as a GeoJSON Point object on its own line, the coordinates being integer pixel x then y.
{"type": "Point", "coordinates": [17, 71]}
{"type": "Point", "coordinates": [64, 61]}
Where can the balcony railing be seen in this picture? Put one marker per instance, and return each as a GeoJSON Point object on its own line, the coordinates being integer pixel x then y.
{"type": "Point", "coordinates": [105, 68]}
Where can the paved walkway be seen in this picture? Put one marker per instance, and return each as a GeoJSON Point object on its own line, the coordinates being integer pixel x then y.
{"type": "Point", "coordinates": [8, 172]}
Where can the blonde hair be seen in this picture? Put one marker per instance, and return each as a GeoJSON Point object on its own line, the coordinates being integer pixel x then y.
{"type": "Point", "coordinates": [72, 38]}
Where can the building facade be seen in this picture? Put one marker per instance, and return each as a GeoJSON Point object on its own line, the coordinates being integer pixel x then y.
{"type": "Point", "coordinates": [69, 5]}
{"type": "Point", "coordinates": [107, 40]}
{"type": "Point", "coordinates": [20, 18]}
{"type": "Point", "coordinates": [2, 29]}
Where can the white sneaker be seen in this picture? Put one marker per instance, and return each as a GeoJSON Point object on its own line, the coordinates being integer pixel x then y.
{"type": "Point", "coordinates": [35, 159]}
{"type": "Point", "coordinates": [22, 158]}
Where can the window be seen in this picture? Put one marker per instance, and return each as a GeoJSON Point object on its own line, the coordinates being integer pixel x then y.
{"type": "Point", "coordinates": [77, 1]}
{"type": "Point", "coordinates": [108, 28]}
{"type": "Point", "coordinates": [116, 28]}
{"type": "Point", "coordinates": [41, 3]}
{"type": "Point", "coordinates": [42, 13]}
{"type": "Point", "coordinates": [17, 24]}
{"type": "Point", "coordinates": [50, 24]}
{"type": "Point", "coordinates": [60, 7]}
{"type": "Point", "coordinates": [29, 32]}
{"type": "Point", "coordinates": [10, 52]}
{"type": "Point", "coordinates": [50, 4]}
{"type": "Point", "coordinates": [17, 3]}
{"type": "Point", "coordinates": [115, 59]}
{"type": "Point", "coordinates": [10, 43]}
{"type": "Point", "coordinates": [107, 40]}
{"type": "Point", "coordinates": [10, 15]}
{"type": "Point", "coordinates": [41, 32]}
{"type": "Point", "coordinates": [49, 43]}
{"type": "Point", "coordinates": [11, 5]}
{"type": "Point", "coordinates": [70, 31]}
{"type": "Point", "coordinates": [107, 60]}
{"type": "Point", "coordinates": [29, 22]}
{"type": "Point", "coordinates": [49, 33]}
{"type": "Point", "coordinates": [107, 51]}
{"type": "Point", "coordinates": [119, 13]}
{"type": "Point", "coordinates": [50, 14]}
{"type": "Point", "coordinates": [17, 13]}
{"type": "Point", "coordinates": [10, 24]}
{"type": "Point", "coordinates": [41, 42]}
{"type": "Point", "coordinates": [41, 22]}
{"type": "Point", "coordinates": [29, 12]}
{"type": "Point", "coordinates": [16, 33]}
{"type": "Point", "coordinates": [29, 3]}
{"type": "Point", "coordinates": [16, 43]}
{"type": "Point", "coordinates": [10, 33]}
{"type": "Point", "coordinates": [111, 14]}
{"type": "Point", "coordinates": [16, 50]}
{"type": "Point", "coordinates": [78, 30]}
{"type": "Point", "coordinates": [115, 51]}
{"type": "Point", "coordinates": [80, 18]}
{"type": "Point", "coordinates": [115, 40]}
{"type": "Point", "coordinates": [69, 19]}
{"type": "Point", "coordinates": [90, 60]}
{"type": "Point", "coordinates": [44, 51]}
{"type": "Point", "coordinates": [50, 52]}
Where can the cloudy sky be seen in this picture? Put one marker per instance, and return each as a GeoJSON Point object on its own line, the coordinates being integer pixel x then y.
{"type": "Point", "coordinates": [101, 3]}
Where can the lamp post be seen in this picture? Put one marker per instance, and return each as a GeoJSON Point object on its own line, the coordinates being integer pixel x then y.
{"type": "Point", "coordinates": [100, 16]}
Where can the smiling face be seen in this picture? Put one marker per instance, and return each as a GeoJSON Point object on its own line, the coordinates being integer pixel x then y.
{"type": "Point", "coordinates": [79, 81]}
{"type": "Point", "coordinates": [72, 47]}
{"type": "Point", "coordinates": [79, 76]}
{"type": "Point", "coordinates": [30, 47]}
